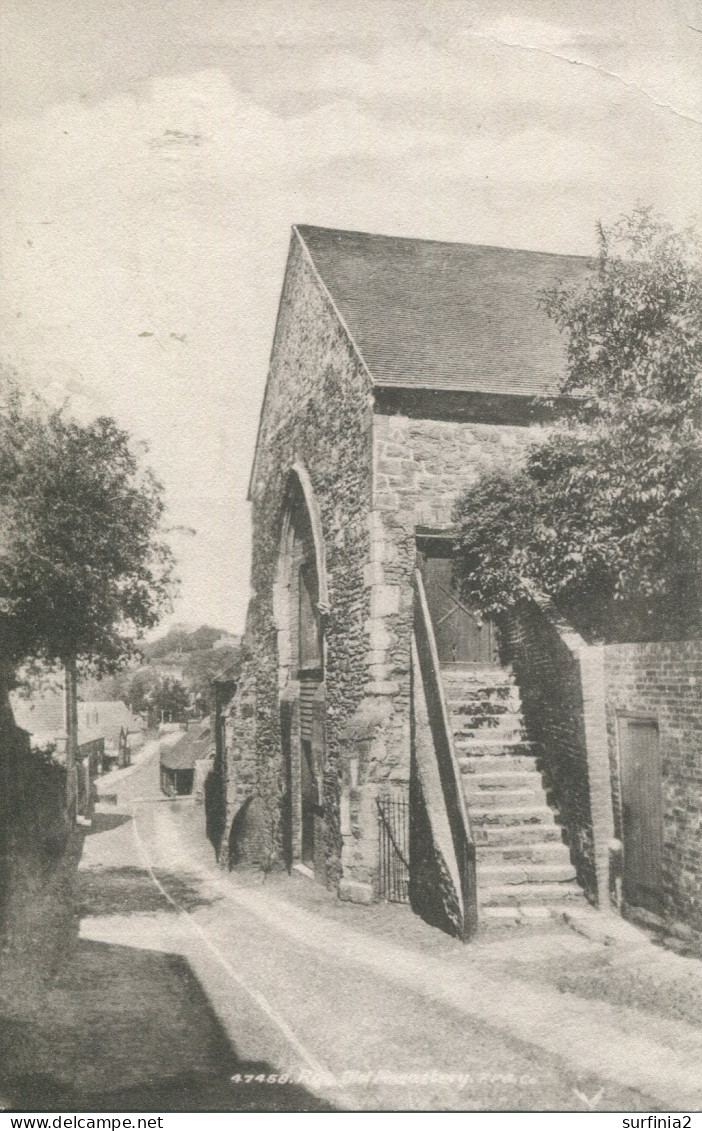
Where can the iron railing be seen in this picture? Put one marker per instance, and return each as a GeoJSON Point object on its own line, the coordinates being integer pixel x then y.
{"type": "Point", "coordinates": [393, 847]}
{"type": "Point", "coordinates": [448, 768]}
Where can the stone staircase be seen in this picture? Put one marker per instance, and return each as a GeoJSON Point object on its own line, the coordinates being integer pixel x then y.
{"type": "Point", "coordinates": [523, 867]}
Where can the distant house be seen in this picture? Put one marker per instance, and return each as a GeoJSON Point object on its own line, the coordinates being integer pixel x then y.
{"type": "Point", "coordinates": [178, 761]}
{"type": "Point", "coordinates": [113, 721]}
{"type": "Point", "coordinates": [108, 722]}
{"type": "Point", "coordinates": [43, 717]}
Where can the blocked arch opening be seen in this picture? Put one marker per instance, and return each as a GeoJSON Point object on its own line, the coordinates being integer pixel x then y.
{"type": "Point", "coordinates": [300, 606]}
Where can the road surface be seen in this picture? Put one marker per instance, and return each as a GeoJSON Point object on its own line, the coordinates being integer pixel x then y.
{"type": "Point", "coordinates": [192, 990]}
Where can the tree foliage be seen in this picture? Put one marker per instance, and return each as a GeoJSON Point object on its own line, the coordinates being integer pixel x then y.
{"type": "Point", "coordinates": [84, 569]}
{"type": "Point", "coordinates": [203, 666]}
{"type": "Point", "coordinates": [181, 639]}
{"type": "Point", "coordinates": [605, 516]}
{"type": "Point", "coordinates": [157, 696]}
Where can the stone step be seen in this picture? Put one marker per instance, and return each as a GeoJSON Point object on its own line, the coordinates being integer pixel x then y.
{"type": "Point", "coordinates": [488, 764]}
{"type": "Point", "coordinates": [539, 852]}
{"type": "Point", "coordinates": [479, 779]}
{"type": "Point", "coordinates": [469, 717]}
{"type": "Point", "coordinates": [502, 799]}
{"type": "Point", "coordinates": [469, 724]}
{"type": "Point", "coordinates": [494, 747]}
{"type": "Point", "coordinates": [476, 677]}
{"type": "Point", "coordinates": [469, 744]}
{"type": "Point", "coordinates": [546, 893]}
{"type": "Point", "coordinates": [465, 698]}
{"type": "Point", "coordinates": [476, 785]}
{"type": "Point", "coordinates": [475, 691]}
{"type": "Point", "coordinates": [524, 872]}
{"type": "Point", "coordinates": [466, 740]}
{"type": "Point", "coordinates": [495, 835]}
{"type": "Point", "coordinates": [511, 720]}
{"type": "Point", "coordinates": [502, 699]}
{"type": "Point", "coordinates": [519, 815]}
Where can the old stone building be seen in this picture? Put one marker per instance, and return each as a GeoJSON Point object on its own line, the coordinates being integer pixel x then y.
{"type": "Point", "coordinates": [400, 371]}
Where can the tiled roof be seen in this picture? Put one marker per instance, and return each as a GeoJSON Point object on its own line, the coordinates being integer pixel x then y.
{"type": "Point", "coordinates": [446, 315]}
{"type": "Point", "coordinates": [195, 744]}
{"type": "Point", "coordinates": [44, 716]}
{"type": "Point", "coordinates": [107, 719]}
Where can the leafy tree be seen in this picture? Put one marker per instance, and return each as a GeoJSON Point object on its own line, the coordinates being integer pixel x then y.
{"type": "Point", "coordinates": [182, 639]}
{"type": "Point", "coordinates": [204, 637]}
{"type": "Point", "coordinates": [202, 667]}
{"type": "Point", "coordinates": [175, 640]}
{"type": "Point", "coordinates": [168, 700]}
{"type": "Point", "coordinates": [137, 688]}
{"type": "Point", "coordinates": [148, 692]}
{"type": "Point", "coordinates": [605, 516]}
{"type": "Point", "coordinates": [84, 571]}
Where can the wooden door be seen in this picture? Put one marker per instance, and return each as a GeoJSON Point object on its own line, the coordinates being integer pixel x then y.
{"type": "Point", "coordinates": [642, 811]}
{"type": "Point", "coordinates": [462, 635]}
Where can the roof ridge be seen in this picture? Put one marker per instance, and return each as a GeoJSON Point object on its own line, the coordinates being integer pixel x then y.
{"type": "Point", "coordinates": [333, 303]}
{"type": "Point", "coordinates": [301, 228]}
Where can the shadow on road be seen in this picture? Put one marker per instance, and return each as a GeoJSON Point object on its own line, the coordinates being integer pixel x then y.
{"type": "Point", "coordinates": [105, 822]}
{"type": "Point", "coordinates": [129, 890]}
{"type": "Point", "coordinates": [122, 1029]}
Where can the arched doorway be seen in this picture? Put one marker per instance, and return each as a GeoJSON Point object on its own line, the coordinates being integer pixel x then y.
{"type": "Point", "coordinates": [300, 605]}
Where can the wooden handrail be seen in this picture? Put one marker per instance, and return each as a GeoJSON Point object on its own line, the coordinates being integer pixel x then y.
{"type": "Point", "coordinates": [449, 770]}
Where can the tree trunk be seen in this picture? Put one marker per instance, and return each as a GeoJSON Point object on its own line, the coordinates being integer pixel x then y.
{"type": "Point", "coordinates": [71, 698]}
{"type": "Point", "coordinates": [7, 791]}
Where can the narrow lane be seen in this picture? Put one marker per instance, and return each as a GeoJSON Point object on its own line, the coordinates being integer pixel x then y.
{"type": "Point", "coordinates": [302, 998]}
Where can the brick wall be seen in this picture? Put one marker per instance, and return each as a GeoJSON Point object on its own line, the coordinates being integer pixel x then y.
{"type": "Point", "coordinates": [664, 681]}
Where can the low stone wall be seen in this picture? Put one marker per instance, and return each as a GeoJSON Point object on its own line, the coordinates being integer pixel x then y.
{"type": "Point", "coordinates": [664, 681]}
{"type": "Point", "coordinates": [435, 882]}
{"type": "Point", "coordinates": [432, 892]}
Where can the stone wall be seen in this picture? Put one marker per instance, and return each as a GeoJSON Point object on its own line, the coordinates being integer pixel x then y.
{"type": "Point", "coordinates": [317, 413]}
{"type": "Point", "coordinates": [420, 468]}
{"type": "Point", "coordinates": [664, 681]}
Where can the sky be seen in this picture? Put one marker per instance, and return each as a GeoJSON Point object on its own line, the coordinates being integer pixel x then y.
{"type": "Point", "coordinates": [155, 154]}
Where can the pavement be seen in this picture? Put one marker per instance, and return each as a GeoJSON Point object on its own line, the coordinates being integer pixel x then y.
{"type": "Point", "coordinates": [191, 989]}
